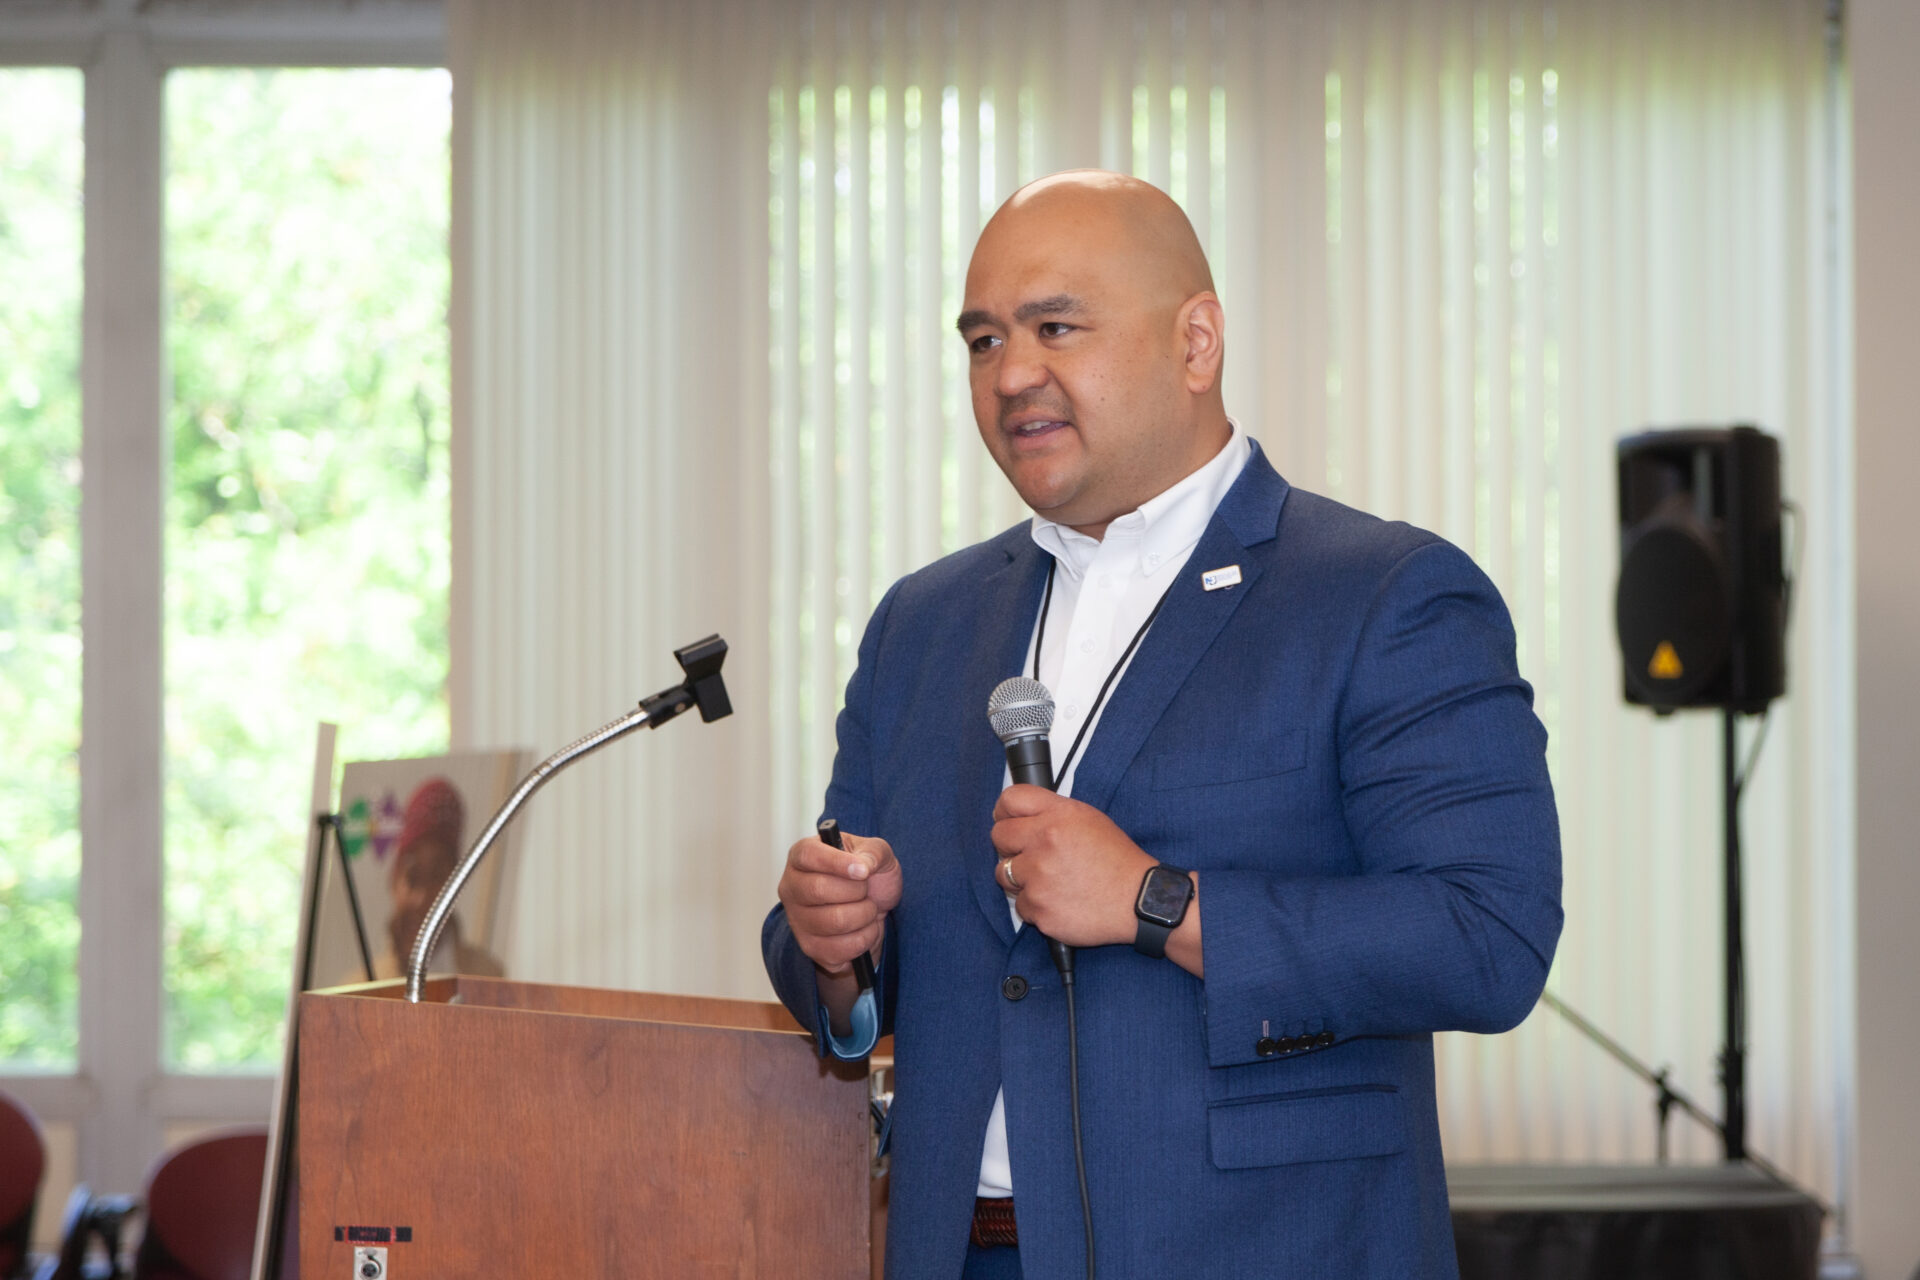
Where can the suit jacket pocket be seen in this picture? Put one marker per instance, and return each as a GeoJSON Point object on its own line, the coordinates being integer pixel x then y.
{"type": "Point", "coordinates": [1297, 1128]}
{"type": "Point", "coordinates": [1281, 751]}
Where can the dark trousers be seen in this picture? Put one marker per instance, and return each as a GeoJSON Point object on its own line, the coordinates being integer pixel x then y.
{"type": "Point", "coordinates": [1001, 1263]}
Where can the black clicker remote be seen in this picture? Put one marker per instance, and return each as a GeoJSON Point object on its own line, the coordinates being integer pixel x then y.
{"type": "Point", "coordinates": [862, 963]}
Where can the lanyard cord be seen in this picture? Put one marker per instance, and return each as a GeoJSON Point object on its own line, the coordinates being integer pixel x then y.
{"type": "Point", "coordinates": [1106, 686]}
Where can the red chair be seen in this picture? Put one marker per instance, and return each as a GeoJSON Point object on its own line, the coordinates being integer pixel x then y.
{"type": "Point", "coordinates": [203, 1201]}
{"type": "Point", "coordinates": [23, 1162]}
{"type": "Point", "coordinates": [201, 1204]}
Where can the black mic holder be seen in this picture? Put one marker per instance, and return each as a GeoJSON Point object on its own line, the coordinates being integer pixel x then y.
{"type": "Point", "coordinates": [700, 663]}
{"type": "Point", "coordinates": [1030, 761]}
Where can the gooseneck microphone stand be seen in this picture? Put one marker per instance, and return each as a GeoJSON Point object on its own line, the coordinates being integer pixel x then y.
{"type": "Point", "coordinates": [702, 688]}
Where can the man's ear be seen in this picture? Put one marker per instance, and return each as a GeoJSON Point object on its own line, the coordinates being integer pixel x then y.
{"type": "Point", "coordinates": [1203, 327]}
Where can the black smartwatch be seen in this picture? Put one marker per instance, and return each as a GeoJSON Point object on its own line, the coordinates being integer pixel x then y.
{"type": "Point", "coordinates": [1165, 893]}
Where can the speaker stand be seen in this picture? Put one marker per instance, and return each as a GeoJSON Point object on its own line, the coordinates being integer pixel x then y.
{"type": "Point", "coordinates": [1733, 1057]}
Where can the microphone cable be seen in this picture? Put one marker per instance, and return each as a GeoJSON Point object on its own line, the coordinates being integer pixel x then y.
{"type": "Point", "coordinates": [1063, 961]}
{"type": "Point", "coordinates": [1062, 953]}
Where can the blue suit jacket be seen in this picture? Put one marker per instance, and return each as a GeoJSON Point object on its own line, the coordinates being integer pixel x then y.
{"type": "Point", "coordinates": [1342, 748]}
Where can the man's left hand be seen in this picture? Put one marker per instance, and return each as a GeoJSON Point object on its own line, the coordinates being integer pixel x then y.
{"type": "Point", "coordinates": [1075, 875]}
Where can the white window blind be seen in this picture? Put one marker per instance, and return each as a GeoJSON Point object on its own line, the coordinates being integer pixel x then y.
{"type": "Point", "coordinates": [1462, 249]}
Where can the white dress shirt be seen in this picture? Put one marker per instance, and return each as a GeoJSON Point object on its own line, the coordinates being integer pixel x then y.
{"type": "Point", "coordinates": [1103, 589]}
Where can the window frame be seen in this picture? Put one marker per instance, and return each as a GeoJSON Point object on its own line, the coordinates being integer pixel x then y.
{"type": "Point", "coordinates": [120, 1097]}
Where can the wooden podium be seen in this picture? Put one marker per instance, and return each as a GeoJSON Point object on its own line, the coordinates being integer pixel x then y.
{"type": "Point", "coordinates": [516, 1130]}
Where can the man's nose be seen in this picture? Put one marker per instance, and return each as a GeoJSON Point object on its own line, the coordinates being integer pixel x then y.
{"type": "Point", "coordinates": [1022, 367]}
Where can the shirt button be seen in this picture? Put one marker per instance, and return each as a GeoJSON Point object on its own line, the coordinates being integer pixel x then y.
{"type": "Point", "coordinates": [1086, 646]}
{"type": "Point", "coordinates": [1073, 709]}
{"type": "Point", "coordinates": [1014, 988]}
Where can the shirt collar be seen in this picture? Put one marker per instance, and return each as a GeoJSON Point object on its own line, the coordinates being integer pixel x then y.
{"type": "Point", "coordinates": [1163, 526]}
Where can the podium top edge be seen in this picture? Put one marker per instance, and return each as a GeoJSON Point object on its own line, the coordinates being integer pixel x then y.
{"type": "Point", "coordinates": [468, 990]}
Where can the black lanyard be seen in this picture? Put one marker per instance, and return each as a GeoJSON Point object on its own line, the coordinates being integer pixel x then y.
{"type": "Point", "coordinates": [1106, 686]}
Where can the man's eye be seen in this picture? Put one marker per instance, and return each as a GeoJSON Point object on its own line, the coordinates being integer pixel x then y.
{"type": "Point", "coordinates": [982, 344]}
{"type": "Point", "coordinates": [1055, 329]}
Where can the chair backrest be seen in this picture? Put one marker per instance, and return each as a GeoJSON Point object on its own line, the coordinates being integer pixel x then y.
{"type": "Point", "coordinates": [203, 1200]}
{"type": "Point", "coordinates": [23, 1162]}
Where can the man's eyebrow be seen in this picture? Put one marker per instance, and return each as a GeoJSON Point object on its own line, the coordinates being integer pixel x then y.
{"type": "Point", "coordinates": [1059, 304]}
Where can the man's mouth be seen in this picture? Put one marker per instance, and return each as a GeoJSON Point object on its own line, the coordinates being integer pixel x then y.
{"type": "Point", "coordinates": [1037, 428]}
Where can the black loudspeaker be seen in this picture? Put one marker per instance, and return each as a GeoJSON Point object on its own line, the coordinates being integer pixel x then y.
{"type": "Point", "coordinates": [1701, 607]}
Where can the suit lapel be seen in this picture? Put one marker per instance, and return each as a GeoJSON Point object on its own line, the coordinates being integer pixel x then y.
{"type": "Point", "coordinates": [1240, 533]}
{"type": "Point", "coordinates": [1008, 602]}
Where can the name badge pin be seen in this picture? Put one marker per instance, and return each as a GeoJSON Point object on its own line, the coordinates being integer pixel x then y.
{"type": "Point", "coordinates": [1214, 579]}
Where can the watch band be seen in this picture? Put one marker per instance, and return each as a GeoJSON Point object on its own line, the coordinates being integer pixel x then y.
{"type": "Point", "coordinates": [1150, 939]}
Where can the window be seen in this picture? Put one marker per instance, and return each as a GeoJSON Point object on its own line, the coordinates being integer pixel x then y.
{"type": "Point", "coordinates": [40, 229]}
{"type": "Point", "coordinates": [116, 362]}
{"type": "Point", "coordinates": [307, 519]}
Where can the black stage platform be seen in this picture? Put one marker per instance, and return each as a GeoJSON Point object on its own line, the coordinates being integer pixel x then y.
{"type": "Point", "coordinates": [1631, 1222]}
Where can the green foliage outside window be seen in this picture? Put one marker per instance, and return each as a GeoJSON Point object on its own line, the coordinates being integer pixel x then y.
{"type": "Point", "coordinates": [307, 539]}
{"type": "Point", "coordinates": [40, 231]}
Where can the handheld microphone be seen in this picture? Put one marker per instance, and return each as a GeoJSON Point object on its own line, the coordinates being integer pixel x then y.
{"type": "Point", "coordinates": [1021, 713]}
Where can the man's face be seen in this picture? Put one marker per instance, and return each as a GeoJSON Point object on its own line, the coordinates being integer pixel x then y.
{"type": "Point", "coordinates": [416, 876]}
{"type": "Point", "coordinates": [1076, 370]}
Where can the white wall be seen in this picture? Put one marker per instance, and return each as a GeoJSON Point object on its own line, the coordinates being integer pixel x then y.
{"type": "Point", "coordinates": [1884, 49]}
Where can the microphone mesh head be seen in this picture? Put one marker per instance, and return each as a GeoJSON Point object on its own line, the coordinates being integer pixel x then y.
{"type": "Point", "coordinates": [1020, 708]}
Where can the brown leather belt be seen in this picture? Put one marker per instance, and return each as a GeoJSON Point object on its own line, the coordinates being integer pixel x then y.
{"type": "Point", "coordinates": [993, 1222]}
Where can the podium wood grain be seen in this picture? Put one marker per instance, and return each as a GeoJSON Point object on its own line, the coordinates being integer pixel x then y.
{"type": "Point", "coordinates": [524, 1130]}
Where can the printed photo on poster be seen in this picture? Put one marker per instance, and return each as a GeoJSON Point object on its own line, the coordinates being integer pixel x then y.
{"type": "Point", "coordinates": [404, 826]}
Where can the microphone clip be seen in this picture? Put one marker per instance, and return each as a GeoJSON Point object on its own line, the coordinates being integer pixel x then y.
{"type": "Point", "coordinates": [703, 687]}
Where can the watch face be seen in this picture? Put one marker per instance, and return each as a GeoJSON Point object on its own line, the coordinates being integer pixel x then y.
{"type": "Point", "coordinates": [1163, 896]}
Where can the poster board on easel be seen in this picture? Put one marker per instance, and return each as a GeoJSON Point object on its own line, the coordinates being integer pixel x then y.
{"type": "Point", "coordinates": [366, 847]}
{"type": "Point", "coordinates": [404, 825]}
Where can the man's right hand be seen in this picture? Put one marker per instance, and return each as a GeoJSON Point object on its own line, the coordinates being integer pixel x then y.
{"type": "Point", "coordinates": [837, 900]}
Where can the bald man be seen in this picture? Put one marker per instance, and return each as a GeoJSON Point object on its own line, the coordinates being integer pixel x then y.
{"type": "Point", "coordinates": [1303, 818]}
